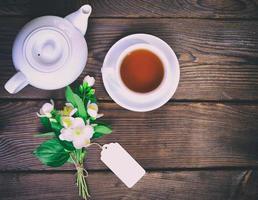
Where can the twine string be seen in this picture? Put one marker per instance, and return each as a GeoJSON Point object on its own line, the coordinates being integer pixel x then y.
{"type": "Point", "coordinates": [97, 144]}
{"type": "Point", "coordinates": [81, 168]}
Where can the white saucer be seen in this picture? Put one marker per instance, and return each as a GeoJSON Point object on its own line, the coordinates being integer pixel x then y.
{"type": "Point", "coordinates": [113, 89]}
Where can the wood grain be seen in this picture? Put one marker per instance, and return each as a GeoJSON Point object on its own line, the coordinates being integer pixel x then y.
{"type": "Point", "coordinates": [215, 144]}
{"type": "Point", "coordinates": [218, 59]}
{"type": "Point", "coordinates": [37, 8]}
{"type": "Point", "coordinates": [138, 8]}
{"type": "Point", "coordinates": [247, 185]}
{"type": "Point", "coordinates": [194, 185]}
{"type": "Point", "coordinates": [178, 135]}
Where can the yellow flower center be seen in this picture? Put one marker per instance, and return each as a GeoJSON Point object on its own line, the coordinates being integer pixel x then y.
{"type": "Point", "coordinates": [92, 107]}
{"type": "Point", "coordinates": [77, 131]}
{"type": "Point", "coordinates": [67, 121]}
{"type": "Point", "coordinates": [67, 110]}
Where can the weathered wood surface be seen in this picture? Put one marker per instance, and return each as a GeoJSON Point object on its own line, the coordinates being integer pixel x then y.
{"type": "Point", "coordinates": [181, 185]}
{"type": "Point", "coordinates": [216, 42]}
{"type": "Point", "coordinates": [245, 9]}
{"type": "Point", "coordinates": [178, 135]}
{"type": "Point", "coordinates": [218, 59]}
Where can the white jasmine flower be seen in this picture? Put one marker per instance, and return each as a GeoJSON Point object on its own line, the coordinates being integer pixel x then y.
{"type": "Point", "coordinates": [46, 109]}
{"type": "Point", "coordinates": [77, 132]}
{"type": "Point", "coordinates": [92, 109]}
{"type": "Point", "coordinates": [68, 110]}
{"type": "Point", "coordinates": [67, 121]}
{"type": "Point", "coordinates": [90, 80]}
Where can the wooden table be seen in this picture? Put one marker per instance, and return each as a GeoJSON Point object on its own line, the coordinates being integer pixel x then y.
{"type": "Point", "coordinates": [203, 144]}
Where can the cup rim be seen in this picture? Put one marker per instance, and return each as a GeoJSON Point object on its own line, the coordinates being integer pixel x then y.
{"type": "Point", "coordinates": [111, 84]}
{"type": "Point", "coordinates": [155, 51]}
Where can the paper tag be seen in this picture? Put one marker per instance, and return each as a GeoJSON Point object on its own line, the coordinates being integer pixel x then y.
{"type": "Point", "coordinates": [116, 158]}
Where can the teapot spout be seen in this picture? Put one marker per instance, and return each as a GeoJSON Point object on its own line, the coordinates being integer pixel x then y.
{"type": "Point", "coordinates": [80, 17]}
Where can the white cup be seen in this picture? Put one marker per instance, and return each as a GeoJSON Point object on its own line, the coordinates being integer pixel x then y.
{"type": "Point", "coordinates": [115, 76]}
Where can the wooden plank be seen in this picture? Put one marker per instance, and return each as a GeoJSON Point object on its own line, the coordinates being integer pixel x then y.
{"type": "Point", "coordinates": [246, 187]}
{"type": "Point", "coordinates": [218, 59]}
{"type": "Point", "coordinates": [194, 185]}
{"type": "Point", "coordinates": [37, 8]}
{"type": "Point", "coordinates": [140, 8]}
{"type": "Point", "coordinates": [178, 135]}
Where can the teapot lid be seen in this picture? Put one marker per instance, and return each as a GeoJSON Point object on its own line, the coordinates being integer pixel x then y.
{"type": "Point", "coordinates": [50, 52]}
{"type": "Point", "coordinates": [46, 49]}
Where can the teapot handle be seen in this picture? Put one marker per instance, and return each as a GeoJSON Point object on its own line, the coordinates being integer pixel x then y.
{"type": "Point", "coordinates": [16, 83]}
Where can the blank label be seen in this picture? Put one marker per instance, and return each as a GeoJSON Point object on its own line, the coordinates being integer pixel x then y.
{"type": "Point", "coordinates": [119, 161]}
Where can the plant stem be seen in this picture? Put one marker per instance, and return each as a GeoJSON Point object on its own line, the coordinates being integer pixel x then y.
{"type": "Point", "coordinates": [83, 96]}
{"type": "Point", "coordinates": [78, 158]}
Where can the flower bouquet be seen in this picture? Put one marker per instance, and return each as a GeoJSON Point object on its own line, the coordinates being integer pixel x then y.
{"type": "Point", "coordinates": [71, 131]}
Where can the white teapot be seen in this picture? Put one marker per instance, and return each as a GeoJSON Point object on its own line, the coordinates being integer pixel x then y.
{"type": "Point", "coordinates": [50, 52]}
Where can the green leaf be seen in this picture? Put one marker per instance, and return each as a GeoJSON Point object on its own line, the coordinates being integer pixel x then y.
{"type": "Point", "coordinates": [76, 89]}
{"type": "Point", "coordinates": [81, 89]}
{"type": "Point", "coordinates": [93, 99]}
{"type": "Point", "coordinates": [80, 106]}
{"type": "Point", "coordinates": [69, 95]}
{"type": "Point", "coordinates": [101, 130]}
{"type": "Point", "coordinates": [67, 145]}
{"type": "Point", "coordinates": [91, 92]}
{"type": "Point", "coordinates": [45, 122]}
{"type": "Point", "coordinates": [56, 127]}
{"type": "Point", "coordinates": [76, 101]}
{"type": "Point", "coordinates": [53, 112]}
{"type": "Point", "coordinates": [85, 85]}
{"type": "Point", "coordinates": [102, 123]}
{"type": "Point", "coordinates": [52, 153]}
{"type": "Point", "coordinates": [49, 134]}
{"type": "Point", "coordinates": [58, 117]}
